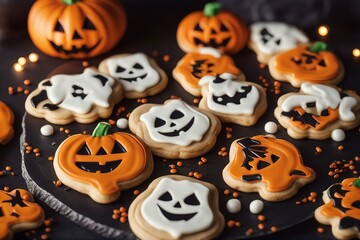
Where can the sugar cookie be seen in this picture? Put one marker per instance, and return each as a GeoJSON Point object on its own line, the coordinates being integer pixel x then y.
{"type": "Point", "coordinates": [6, 121]}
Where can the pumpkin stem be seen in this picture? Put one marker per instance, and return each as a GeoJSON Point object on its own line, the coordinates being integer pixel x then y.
{"type": "Point", "coordinates": [211, 9]}
{"type": "Point", "coordinates": [70, 2]}
{"type": "Point", "coordinates": [102, 129]}
{"type": "Point", "coordinates": [357, 183]}
{"type": "Point", "coordinates": [318, 47]}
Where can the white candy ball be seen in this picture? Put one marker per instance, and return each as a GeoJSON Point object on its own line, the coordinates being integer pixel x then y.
{"type": "Point", "coordinates": [122, 123]}
{"type": "Point", "coordinates": [338, 135]}
{"type": "Point", "coordinates": [271, 127]}
{"type": "Point", "coordinates": [233, 205]}
{"type": "Point", "coordinates": [47, 130]}
{"type": "Point", "coordinates": [256, 206]}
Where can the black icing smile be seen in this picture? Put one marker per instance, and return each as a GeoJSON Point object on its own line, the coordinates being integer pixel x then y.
{"type": "Point", "coordinates": [133, 79]}
{"type": "Point", "coordinates": [212, 43]}
{"type": "Point", "coordinates": [176, 133]}
{"type": "Point", "coordinates": [176, 217]}
{"type": "Point", "coordinates": [94, 167]}
{"type": "Point", "coordinates": [74, 50]}
{"type": "Point", "coordinates": [236, 99]}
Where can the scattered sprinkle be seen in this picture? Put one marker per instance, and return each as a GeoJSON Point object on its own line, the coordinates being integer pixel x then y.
{"type": "Point", "coordinates": [122, 123]}
{"type": "Point", "coordinates": [233, 205]}
{"type": "Point", "coordinates": [338, 135]}
{"type": "Point", "coordinates": [271, 127]}
{"type": "Point", "coordinates": [47, 130]}
{"type": "Point", "coordinates": [256, 206]}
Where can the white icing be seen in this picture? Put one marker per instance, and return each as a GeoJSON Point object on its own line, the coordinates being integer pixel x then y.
{"type": "Point", "coordinates": [47, 130]}
{"type": "Point", "coordinates": [179, 191]}
{"type": "Point", "coordinates": [122, 123]}
{"type": "Point", "coordinates": [256, 206]}
{"type": "Point", "coordinates": [162, 114]}
{"type": "Point", "coordinates": [63, 87]}
{"type": "Point", "coordinates": [144, 75]}
{"type": "Point", "coordinates": [345, 113]}
{"type": "Point", "coordinates": [338, 135]}
{"type": "Point", "coordinates": [271, 127]}
{"type": "Point", "coordinates": [281, 37]}
{"type": "Point", "coordinates": [230, 88]}
{"type": "Point", "coordinates": [233, 205]}
{"type": "Point", "coordinates": [210, 51]}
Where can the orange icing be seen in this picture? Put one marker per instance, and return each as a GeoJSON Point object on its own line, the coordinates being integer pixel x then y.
{"type": "Point", "coordinates": [309, 72]}
{"type": "Point", "coordinates": [6, 121]}
{"type": "Point", "coordinates": [323, 121]}
{"type": "Point", "coordinates": [277, 174]}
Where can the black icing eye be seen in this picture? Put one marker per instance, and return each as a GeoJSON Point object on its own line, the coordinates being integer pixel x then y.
{"type": "Point", "coordinates": [59, 27]}
{"type": "Point", "coordinates": [159, 122]}
{"type": "Point", "coordinates": [120, 69]}
{"type": "Point", "coordinates": [1, 212]}
{"type": "Point", "coordinates": [192, 200]}
{"type": "Point", "coordinates": [176, 114]}
{"type": "Point", "coordinates": [88, 25]}
{"type": "Point", "coordinates": [198, 28]}
{"type": "Point", "coordinates": [84, 150]}
{"type": "Point", "coordinates": [118, 148]}
{"type": "Point", "coordinates": [165, 197]}
{"type": "Point", "coordinates": [138, 66]}
{"type": "Point", "coordinates": [223, 28]}
{"type": "Point", "coordinates": [213, 31]}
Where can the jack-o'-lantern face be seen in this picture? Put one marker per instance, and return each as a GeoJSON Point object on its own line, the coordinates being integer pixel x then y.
{"type": "Point", "coordinates": [175, 122]}
{"type": "Point", "coordinates": [178, 207]}
{"type": "Point", "coordinates": [18, 207]}
{"type": "Point", "coordinates": [6, 121]}
{"type": "Point", "coordinates": [275, 162]}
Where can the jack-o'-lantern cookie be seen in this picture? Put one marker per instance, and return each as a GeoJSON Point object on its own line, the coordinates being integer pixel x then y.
{"type": "Point", "coordinates": [6, 121]}
{"type": "Point", "coordinates": [231, 100]}
{"type": "Point", "coordinates": [103, 164]}
{"type": "Point", "coordinates": [176, 207]}
{"type": "Point", "coordinates": [84, 97]}
{"type": "Point", "coordinates": [205, 61]}
{"type": "Point", "coordinates": [317, 110]}
{"type": "Point", "coordinates": [139, 74]}
{"type": "Point", "coordinates": [270, 38]}
{"type": "Point", "coordinates": [272, 167]}
{"type": "Point", "coordinates": [18, 212]}
{"type": "Point", "coordinates": [175, 129]}
{"type": "Point", "coordinates": [341, 209]}
{"type": "Point", "coordinates": [314, 63]}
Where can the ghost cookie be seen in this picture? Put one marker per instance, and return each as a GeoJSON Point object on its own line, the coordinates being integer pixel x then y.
{"type": "Point", "coordinates": [103, 164]}
{"type": "Point", "coordinates": [205, 61]}
{"type": "Point", "coordinates": [6, 121]}
{"type": "Point", "coordinates": [307, 63]}
{"type": "Point", "coordinates": [231, 100]}
{"type": "Point", "coordinates": [317, 110]}
{"type": "Point", "coordinates": [272, 167]}
{"type": "Point", "coordinates": [175, 129]}
{"type": "Point", "coordinates": [270, 38]}
{"type": "Point", "coordinates": [65, 98]}
{"type": "Point", "coordinates": [341, 209]}
{"type": "Point", "coordinates": [18, 212]}
{"type": "Point", "coordinates": [176, 207]}
{"type": "Point", "coordinates": [139, 74]}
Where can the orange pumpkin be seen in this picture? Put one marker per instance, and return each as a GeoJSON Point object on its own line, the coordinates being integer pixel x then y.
{"type": "Point", "coordinates": [76, 28]}
{"type": "Point", "coordinates": [212, 28]}
{"type": "Point", "coordinates": [6, 121]}
{"type": "Point", "coordinates": [102, 164]}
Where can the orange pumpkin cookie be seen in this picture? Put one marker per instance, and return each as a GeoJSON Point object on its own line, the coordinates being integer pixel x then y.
{"type": "Point", "coordinates": [84, 97]}
{"type": "Point", "coordinates": [6, 121]}
{"type": "Point", "coordinates": [212, 28]}
{"type": "Point", "coordinates": [267, 165]}
{"type": "Point", "coordinates": [341, 209]}
{"type": "Point", "coordinates": [205, 61]}
{"type": "Point", "coordinates": [177, 207]}
{"type": "Point", "coordinates": [18, 212]}
{"type": "Point", "coordinates": [103, 164]}
{"type": "Point", "coordinates": [314, 63]}
{"type": "Point", "coordinates": [76, 29]}
{"type": "Point", "coordinates": [317, 110]}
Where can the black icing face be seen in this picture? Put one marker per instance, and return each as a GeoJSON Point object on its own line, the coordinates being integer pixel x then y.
{"type": "Point", "coordinates": [266, 36]}
{"type": "Point", "coordinates": [173, 126]}
{"type": "Point", "coordinates": [201, 68]}
{"type": "Point", "coordinates": [309, 61]}
{"type": "Point", "coordinates": [236, 99]}
{"type": "Point", "coordinates": [132, 73]}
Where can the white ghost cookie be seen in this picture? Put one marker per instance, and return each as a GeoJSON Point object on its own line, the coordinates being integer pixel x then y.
{"type": "Point", "coordinates": [139, 74]}
{"type": "Point", "coordinates": [176, 207]}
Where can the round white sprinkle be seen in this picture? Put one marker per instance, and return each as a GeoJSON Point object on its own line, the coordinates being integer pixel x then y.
{"type": "Point", "coordinates": [256, 206]}
{"type": "Point", "coordinates": [338, 135]}
{"type": "Point", "coordinates": [271, 127]}
{"type": "Point", "coordinates": [233, 205]}
{"type": "Point", "coordinates": [122, 123]}
{"type": "Point", "coordinates": [47, 130]}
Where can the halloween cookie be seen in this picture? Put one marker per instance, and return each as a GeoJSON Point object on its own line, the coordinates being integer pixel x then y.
{"type": "Point", "coordinates": [103, 164]}
{"type": "Point", "coordinates": [341, 209]}
{"type": "Point", "coordinates": [84, 97]}
{"type": "Point", "coordinates": [205, 61]}
{"type": "Point", "coordinates": [176, 207]}
{"type": "Point", "coordinates": [18, 212]}
{"type": "Point", "coordinates": [317, 110]}
{"type": "Point", "coordinates": [175, 129]}
{"type": "Point", "coordinates": [214, 28]}
{"type": "Point", "coordinates": [307, 63]}
{"type": "Point", "coordinates": [6, 121]}
{"type": "Point", "coordinates": [267, 165]}
{"type": "Point", "coordinates": [232, 100]}
{"type": "Point", "coordinates": [270, 38]}
{"type": "Point", "coordinates": [139, 74]}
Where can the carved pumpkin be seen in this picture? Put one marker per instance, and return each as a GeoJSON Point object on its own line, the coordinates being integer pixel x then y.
{"type": "Point", "coordinates": [212, 28]}
{"type": "Point", "coordinates": [6, 121]}
{"type": "Point", "coordinates": [74, 28]}
{"type": "Point", "coordinates": [105, 163]}
{"type": "Point", "coordinates": [18, 212]}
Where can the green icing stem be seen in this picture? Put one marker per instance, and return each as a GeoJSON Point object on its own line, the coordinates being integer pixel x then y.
{"type": "Point", "coordinates": [102, 129]}
{"type": "Point", "coordinates": [318, 47]}
{"type": "Point", "coordinates": [357, 183]}
{"type": "Point", "coordinates": [211, 9]}
{"type": "Point", "coordinates": [69, 2]}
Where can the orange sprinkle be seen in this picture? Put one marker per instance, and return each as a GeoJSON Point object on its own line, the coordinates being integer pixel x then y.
{"type": "Point", "coordinates": [190, 174]}
{"type": "Point", "coordinates": [238, 224]}
{"type": "Point", "coordinates": [277, 84]}
{"type": "Point", "coordinates": [51, 158]}
{"type": "Point", "coordinates": [318, 149]}
{"type": "Point", "coordinates": [61, 129]}
{"type": "Point", "coordinates": [261, 226]}
{"type": "Point", "coordinates": [262, 65]}
{"type": "Point", "coordinates": [196, 101]}
{"type": "Point", "coordinates": [57, 183]}
{"type": "Point", "coordinates": [19, 89]}
{"type": "Point", "coordinates": [297, 202]}
{"type": "Point", "coordinates": [36, 150]}
{"type": "Point", "coordinates": [136, 192]}
{"type": "Point", "coordinates": [2, 173]}
{"type": "Point", "coordinates": [6, 189]}
{"type": "Point", "coordinates": [224, 154]}
{"type": "Point", "coordinates": [340, 148]}
{"type": "Point", "coordinates": [331, 173]}
{"type": "Point", "coordinates": [166, 58]}
{"type": "Point", "coordinates": [85, 63]}
{"type": "Point", "coordinates": [179, 164]}
{"type": "Point", "coordinates": [26, 91]}
{"type": "Point", "coordinates": [199, 176]}
{"type": "Point", "coordinates": [235, 194]}
{"type": "Point", "coordinates": [37, 154]}
{"type": "Point", "coordinates": [123, 219]}
{"type": "Point", "coordinates": [115, 216]}
{"type": "Point", "coordinates": [261, 217]}
{"type": "Point", "coordinates": [203, 159]}
{"type": "Point", "coordinates": [230, 223]}
{"type": "Point", "coordinates": [124, 214]}
{"type": "Point", "coordinates": [10, 90]}
{"type": "Point", "coordinates": [223, 149]}
{"type": "Point", "coordinates": [44, 236]}
{"type": "Point", "coordinates": [277, 91]}
{"type": "Point", "coordinates": [273, 229]}
{"type": "Point", "coordinates": [111, 122]}
{"type": "Point", "coordinates": [48, 222]}
{"type": "Point", "coordinates": [172, 166]}
{"type": "Point", "coordinates": [249, 232]}
{"type": "Point", "coordinates": [313, 194]}
{"type": "Point", "coordinates": [336, 175]}
{"type": "Point", "coordinates": [27, 82]}
{"type": "Point", "coordinates": [48, 230]}
{"type": "Point", "coordinates": [173, 170]}
{"type": "Point", "coordinates": [8, 168]}
{"type": "Point", "coordinates": [116, 211]}
{"type": "Point", "coordinates": [200, 163]}
{"type": "Point", "coordinates": [122, 209]}
{"type": "Point", "coordinates": [226, 192]}
{"type": "Point", "coordinates": [320, 230]}
{"type": "Point", "coordinates": [228, 135]}
{"type": "Point", "coordinates": [67, 131]}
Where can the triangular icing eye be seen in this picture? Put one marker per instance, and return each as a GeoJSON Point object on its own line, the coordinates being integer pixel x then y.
{"type": "Point", "coordinates": [213, 31]}
{"type": "Point", "coordinates": [14, 214]}
{"type": "Point", "coordinates": [198, 28]}
{"type": "Point", "coordinates": [84, 150]}
{"type": "Point", "coordinates": [88, 25]}
{"type": "Point", "coordinates": [274, 158]}
{"type": "Point", "coordinates": [296, 61]}
{"type": "Point", "coordinates": [322, 63]}
{"type": "Point", "coordinates": [101, 151]}
{"type": "Point", "coordinates": [176, 114]}
{"type": "Point", "coordinates": [192, 200]}
{"type": "Point", "coordinates": [278, 41]}
{"type": "Point", "coordinates": [59, 27]}
{"type": "Point", "coordinates": [165, 197]}
{"type": "Point", "coordinates": [118, 148]}
{"type": "Point", "coordinates": [159, 122]}
{"type": "Point", "coordinates": [120, 69]}
{"type": "Point", "coordinates": [1, 212]}
{"type": "Point", "coordinates": [138, 66]}
{"type": "Point", "coordinates": [223, 28]}
{"type": "Point", "coordinates": [262, 164]}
